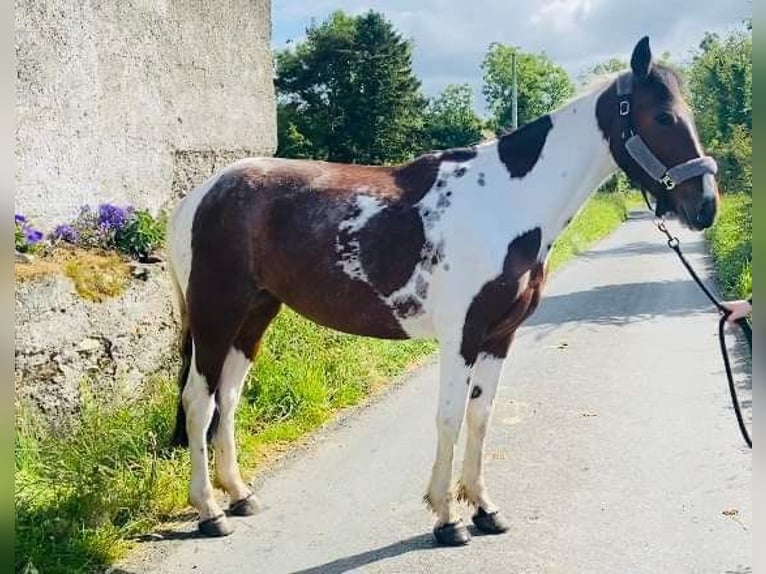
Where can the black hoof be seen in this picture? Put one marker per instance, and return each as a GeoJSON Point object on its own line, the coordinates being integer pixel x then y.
{"type": "Point", "coordinates": [216, 526]}
{"type": "Point", "coordinates": [245, 507]}
{"type": "Point", "coordinates": [490, 522]}
{"type": "Point", "coordinates": [452, 534]}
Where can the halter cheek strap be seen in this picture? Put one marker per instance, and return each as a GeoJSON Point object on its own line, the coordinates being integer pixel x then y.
{"type": "Point", "coordinates": [644, 157]}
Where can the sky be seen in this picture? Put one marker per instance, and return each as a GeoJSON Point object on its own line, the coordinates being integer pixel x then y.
{"type": "Point", "coordinates": [451, 37]}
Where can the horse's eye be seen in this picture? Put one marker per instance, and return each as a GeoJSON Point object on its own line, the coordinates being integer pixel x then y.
{"type": "Point", "coordinates": [666, 118]}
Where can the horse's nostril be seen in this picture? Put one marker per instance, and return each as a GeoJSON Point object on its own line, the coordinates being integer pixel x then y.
{"type": "Point", "coordinates": [706, 214]}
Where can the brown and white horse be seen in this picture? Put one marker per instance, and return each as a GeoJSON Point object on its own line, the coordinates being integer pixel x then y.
{"type": "Point", "coordinates": [452, 245]}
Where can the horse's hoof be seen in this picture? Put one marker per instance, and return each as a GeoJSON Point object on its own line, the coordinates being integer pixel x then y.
{"type": "Point", "coordinates": [452, 534]}
{"type": "Point", "coordinates": [245, 507]}
{"type": "Point", "coordinates": [216, 526]}
{"type": "Point", "coordinates": [491, 522]}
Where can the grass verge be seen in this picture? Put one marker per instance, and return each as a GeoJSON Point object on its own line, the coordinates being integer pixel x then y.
{"type": "Point", "coordinates": [83, 493]}
{"type": "Point", "coordinates": [601, 215]}
{"type": "Point", "coordinates": [731, 245]}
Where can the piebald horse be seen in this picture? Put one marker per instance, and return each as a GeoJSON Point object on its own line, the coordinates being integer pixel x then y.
{"type": "Point", "coordinates": [452, 245]}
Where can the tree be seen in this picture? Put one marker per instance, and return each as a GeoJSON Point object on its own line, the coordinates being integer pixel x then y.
{"type": "Point", "coordinates": [721, 83]}
{"type": "Point", "coordinates": [542, 85]}
{"type": "Point", "coordinates": [348, 93]}
{"type": "Point", "coordinates": [450, 120]}
{"type": "Point", "coordinates": [610, 66]}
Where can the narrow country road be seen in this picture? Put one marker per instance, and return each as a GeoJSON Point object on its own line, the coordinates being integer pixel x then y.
{"type": "Point", "coordinates": [613, 448]}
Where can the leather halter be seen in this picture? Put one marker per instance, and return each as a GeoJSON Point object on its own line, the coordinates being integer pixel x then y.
{"type": "Point", "coordinates": [636, 147]}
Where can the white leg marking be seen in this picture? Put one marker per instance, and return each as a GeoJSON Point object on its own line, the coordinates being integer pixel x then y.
{"type": "Point", "coordinates": [486, 375]}
{"type": "Point", "coordinates": [199, 405]}
{"type": "Point", "coordinates": [233, 375]}
{"type": "Point", "coordinates": [453, 391]}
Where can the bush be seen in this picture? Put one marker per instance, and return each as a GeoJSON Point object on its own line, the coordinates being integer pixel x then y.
{"type": "Point", "coordinates": [735, 158]}
{"type": "Point", "coordinates": [731, 244]}
{"type": "Point", "coordinates": [142, 233]}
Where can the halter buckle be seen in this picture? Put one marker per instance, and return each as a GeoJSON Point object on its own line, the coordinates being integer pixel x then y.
{"type": "Point", "coordinates": [624, 107]}
{"type": "Point", "coordinates": [668, 182]}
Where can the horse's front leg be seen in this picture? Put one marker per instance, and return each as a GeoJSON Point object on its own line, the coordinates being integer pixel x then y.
{"type": "Point", "coordinates": [473, 489]}
{"type": "Point", "coordinates": [453, 392]}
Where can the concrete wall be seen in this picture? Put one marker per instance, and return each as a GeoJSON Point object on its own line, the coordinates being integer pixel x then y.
{"type": "Point", "coordinates": [133, 101]}
{"type": "Point", "coordinates": [61, 340]}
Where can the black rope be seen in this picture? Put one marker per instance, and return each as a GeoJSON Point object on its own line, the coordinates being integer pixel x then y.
{"type": "Point", "coordinates": [675, 245]}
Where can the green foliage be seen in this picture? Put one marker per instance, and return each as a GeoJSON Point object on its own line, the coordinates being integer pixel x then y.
{"type": "Point", "coordinates": [542, 84]}
{"type": "Point", "coordinates": [721, 83]}
{"type": "Point", "coordinates": [450, 119]}
{"type": "Point", "coordinates": [601, 215]}
{"type": "Point", "coordinates": [348, 93]}
{"type": "Point", "coordinates": [142, 233]}
{"type": "Point", "coordinates": [610, 66]}
{"type": "Point", "coordinates": [81, 491]}
{"type": "Point", "coordinates": [731, 244]}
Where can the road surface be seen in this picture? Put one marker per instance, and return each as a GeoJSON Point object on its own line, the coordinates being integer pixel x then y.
{"type": "Point", "coordinates": [613, 448]}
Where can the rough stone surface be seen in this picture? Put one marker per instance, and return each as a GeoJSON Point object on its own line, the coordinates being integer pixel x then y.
{"type": "Point", "coordinates": [63, 340]}
{"type": "Point", "coordinates": [130, 101]}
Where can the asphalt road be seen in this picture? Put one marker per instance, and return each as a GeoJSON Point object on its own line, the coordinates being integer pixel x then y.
{"type": "Point", "coordinates": [613, 448]}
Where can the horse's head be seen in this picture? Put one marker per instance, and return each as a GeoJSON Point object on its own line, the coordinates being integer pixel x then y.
{"type": "Point", "coordinates": [653, 139]}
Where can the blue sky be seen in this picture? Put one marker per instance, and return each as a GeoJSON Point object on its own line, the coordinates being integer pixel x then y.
{"type": "Point", "coordinates": [451, 37]}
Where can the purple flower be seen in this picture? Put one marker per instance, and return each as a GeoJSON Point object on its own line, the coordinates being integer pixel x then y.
{"type": "Point", "coordinates": [112, 217]}
{"type": "Point", "coordinates": [19, 219]}
{"type": "Point", "coordinates": [64, 233]}
{"type": "Point", "coordinates": [33, 235]}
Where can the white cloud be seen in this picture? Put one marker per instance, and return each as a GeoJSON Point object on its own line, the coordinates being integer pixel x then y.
{"type": "Point", "coordinates": [562, 15]}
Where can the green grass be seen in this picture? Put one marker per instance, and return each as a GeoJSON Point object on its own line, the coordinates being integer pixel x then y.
{"type": "Point", "coordinates": [601, 215]}
{"type": "Point", "coordinates": [731, 244]}
{"type": "Point", "coordinates": [82, 493]}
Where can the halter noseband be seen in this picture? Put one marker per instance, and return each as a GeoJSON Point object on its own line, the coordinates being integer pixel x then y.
{"type": "Point", "coordinates": [669, 178]}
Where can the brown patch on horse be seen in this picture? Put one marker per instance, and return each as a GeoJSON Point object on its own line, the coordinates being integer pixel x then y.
{"type": "Point", "coordinates": [417, 177]}
{"type": "Point", "coordinates": [459, 154]}
{"type": "Point", "coordinates": [521, 149]}
{"type": "Point", "coordinates": [390, 246]}
{"type": "Point", "coordinates": [499, 338]}
{"type": "Point", "coordinates": [285, 217]}
{"type": "Point", "coordinates": [499, 308]}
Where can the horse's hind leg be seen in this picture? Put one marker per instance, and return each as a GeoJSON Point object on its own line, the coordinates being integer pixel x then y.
{"type": "Point", "coordinates": [235, 368]}
{"type": "Point", "coordinates": [199, 406]}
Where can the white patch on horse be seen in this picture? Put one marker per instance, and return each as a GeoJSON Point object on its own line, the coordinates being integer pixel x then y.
{"type": "Point", "coordinates": [199, 406]}
{"type": "Point", "coordinates": [233, 373]}
{"type": "Point", "coordinates": [365, 207]}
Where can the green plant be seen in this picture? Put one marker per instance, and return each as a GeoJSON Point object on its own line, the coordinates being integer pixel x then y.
{"type": "Point", "coordinates": [27, 239]}
{"type": "Point", "coordinates": [731, 244]}
{"type": "Point", "coordinates": [142, 233]}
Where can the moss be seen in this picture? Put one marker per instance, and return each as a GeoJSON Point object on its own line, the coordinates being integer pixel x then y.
{"type": "Point", "coordinates": [97, 277]}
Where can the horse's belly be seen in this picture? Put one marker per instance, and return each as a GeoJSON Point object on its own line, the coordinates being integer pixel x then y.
{"type": "Point", "coordinates": [362, 320]}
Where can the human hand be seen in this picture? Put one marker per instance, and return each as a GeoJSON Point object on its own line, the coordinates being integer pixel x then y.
{"type": "Point", "coordinates": [739, 309]}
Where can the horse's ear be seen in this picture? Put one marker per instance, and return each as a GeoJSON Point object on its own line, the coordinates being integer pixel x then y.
{"type": "Point", "coordinates": [641, 60]}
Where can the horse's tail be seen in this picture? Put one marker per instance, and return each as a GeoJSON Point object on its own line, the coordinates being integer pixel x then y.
{"type": "Point", "coordinates": [180, 438]}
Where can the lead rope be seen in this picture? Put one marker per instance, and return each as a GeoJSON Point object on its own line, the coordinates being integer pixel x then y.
{"type": "Point", "coordinates": [675, 245]}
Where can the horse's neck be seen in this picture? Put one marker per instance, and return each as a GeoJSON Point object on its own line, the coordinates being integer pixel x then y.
{"type": "Point", "coordinates": [574, 162]}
